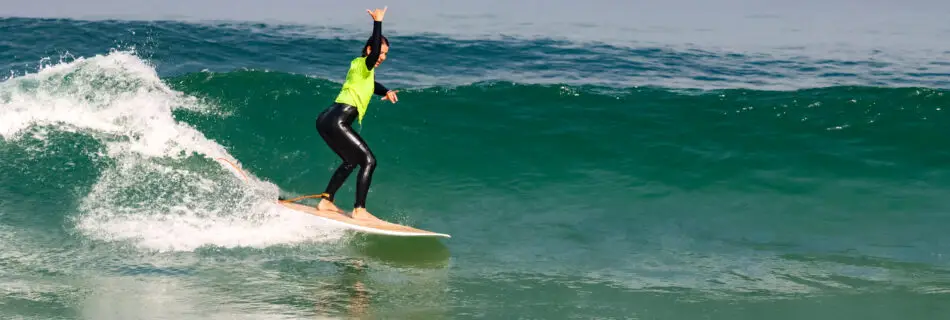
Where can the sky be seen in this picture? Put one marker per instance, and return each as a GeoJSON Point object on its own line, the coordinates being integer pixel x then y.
{"type": "Point", "coordinates": [904, 25]}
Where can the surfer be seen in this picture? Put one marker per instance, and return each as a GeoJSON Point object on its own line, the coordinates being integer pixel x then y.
{"type": "Point", "coordinates": [335, 122]}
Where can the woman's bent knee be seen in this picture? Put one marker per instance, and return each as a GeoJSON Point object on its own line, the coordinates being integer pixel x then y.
{"type": "Point", "coordinates": [370, 162]}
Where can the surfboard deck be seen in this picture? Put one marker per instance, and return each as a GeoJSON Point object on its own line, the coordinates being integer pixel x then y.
{"type": "Point", "coordinates": [374, 226]}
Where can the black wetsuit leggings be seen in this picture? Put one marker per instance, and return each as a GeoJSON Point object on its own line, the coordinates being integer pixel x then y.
{"type": "Point", "coordinates": [335, 126]}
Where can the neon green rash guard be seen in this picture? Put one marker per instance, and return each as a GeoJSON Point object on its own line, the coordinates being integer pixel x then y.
{"type": "Point", "coordinates": [359, 86]}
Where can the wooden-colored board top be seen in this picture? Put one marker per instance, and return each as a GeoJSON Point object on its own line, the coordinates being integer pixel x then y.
{"type": "Point", "coordinates": [375, 226]}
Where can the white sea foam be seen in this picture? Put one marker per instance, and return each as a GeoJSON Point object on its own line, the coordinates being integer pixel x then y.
{"type": "Point", "coordinates": [164, 191]}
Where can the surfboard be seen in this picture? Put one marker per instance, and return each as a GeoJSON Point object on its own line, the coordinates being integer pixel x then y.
{"type": "Point", "coordinates": [373, 226]}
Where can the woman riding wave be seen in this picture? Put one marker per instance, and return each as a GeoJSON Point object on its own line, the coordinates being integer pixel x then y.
{"type": "Point", "coordinates": [335, 123]}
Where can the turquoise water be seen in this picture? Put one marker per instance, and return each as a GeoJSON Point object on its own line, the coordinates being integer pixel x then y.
{"type": "Point", "coordinates": [579, 181]}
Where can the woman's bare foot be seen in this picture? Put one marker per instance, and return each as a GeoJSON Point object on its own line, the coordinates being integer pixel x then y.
{"type": "Point", "coordinates": [362, 214]}
{"type": "Point", "coordinates": [326, 205]}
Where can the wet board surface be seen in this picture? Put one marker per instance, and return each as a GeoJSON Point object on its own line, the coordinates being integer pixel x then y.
{"type": "Point", "coordinates": [374, 226]}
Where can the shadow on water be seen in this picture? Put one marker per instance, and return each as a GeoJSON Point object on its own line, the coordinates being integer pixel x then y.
{"type": "Point", "coordinates": [401, 252]}
{"type": "Point", "coordinates": [347, 295]}
{"type": "Point", "coordinates": [354, 293]}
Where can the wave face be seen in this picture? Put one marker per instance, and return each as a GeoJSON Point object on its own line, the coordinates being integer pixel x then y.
{"type": "Point", "coordinates": [577, 180]}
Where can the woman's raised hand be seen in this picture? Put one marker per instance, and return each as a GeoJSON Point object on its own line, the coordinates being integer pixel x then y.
{"type": "Point", "coordinates": [378, 13]}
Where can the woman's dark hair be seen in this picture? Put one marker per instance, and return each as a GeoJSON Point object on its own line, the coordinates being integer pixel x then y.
{"type": "Point", "coordinates": [369, 43]}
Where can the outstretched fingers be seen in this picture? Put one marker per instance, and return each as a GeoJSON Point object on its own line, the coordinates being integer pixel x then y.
{"type": "Point", "coordinates": [377, 14]}
{"type": "Point", "coordinates": [391, 96]}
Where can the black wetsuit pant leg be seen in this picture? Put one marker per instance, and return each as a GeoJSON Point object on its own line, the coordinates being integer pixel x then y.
{"type": "Point", "coordinates": [335, 126]}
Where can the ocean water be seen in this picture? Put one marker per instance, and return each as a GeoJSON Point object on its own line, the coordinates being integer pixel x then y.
{"type": "Point", "coordinates": [584, 173]}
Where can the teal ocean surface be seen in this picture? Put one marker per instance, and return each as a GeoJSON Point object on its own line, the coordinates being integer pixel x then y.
{"type": "Point", "coordinates": [579, 180]}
